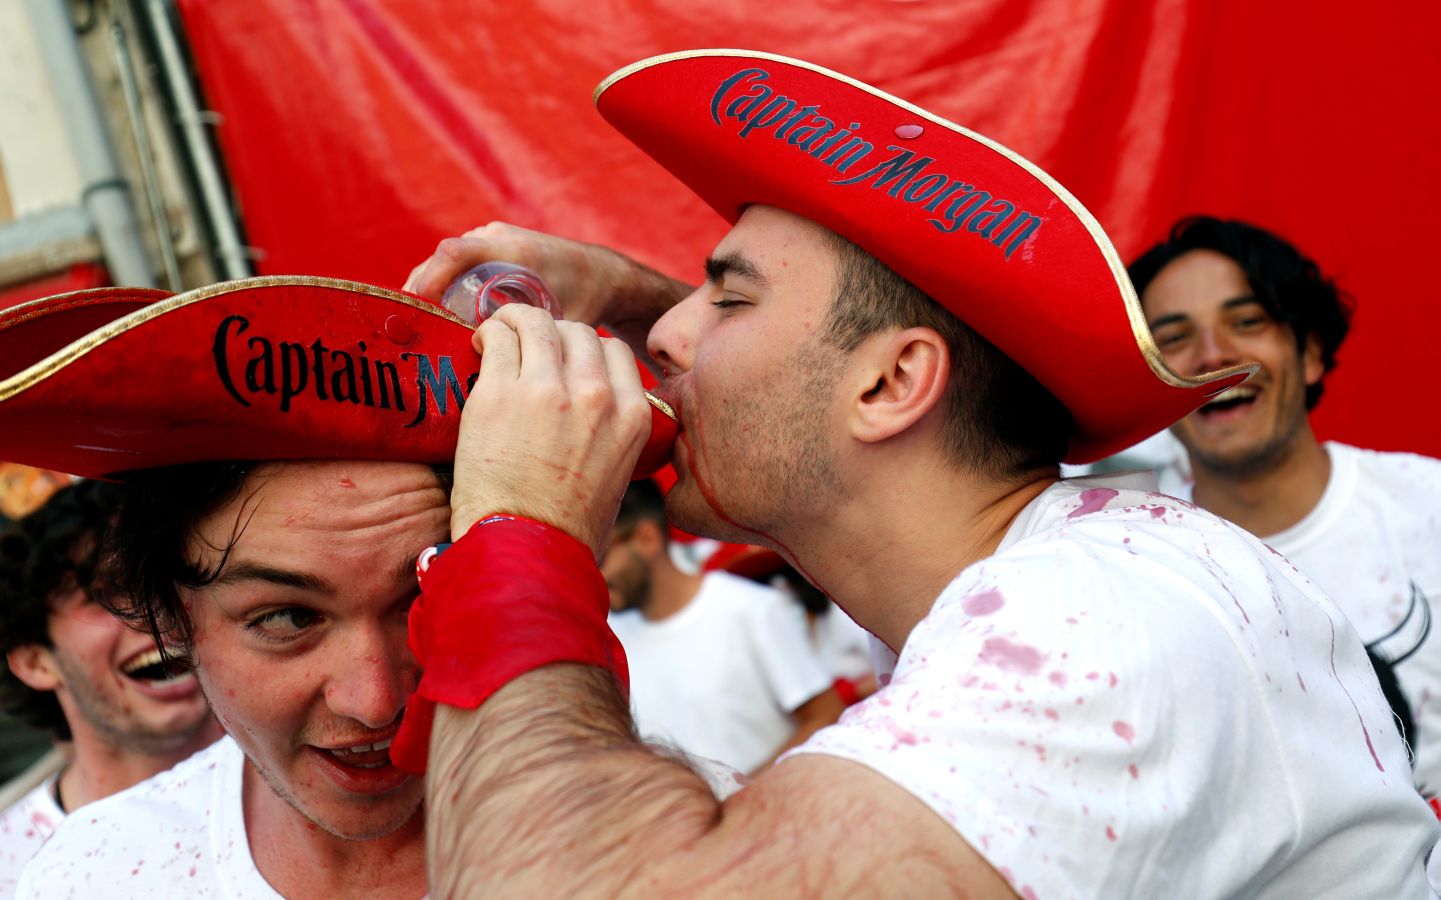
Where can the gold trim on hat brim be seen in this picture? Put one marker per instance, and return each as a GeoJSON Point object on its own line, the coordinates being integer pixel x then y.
{"type": "Point", "coordinates": [1145, 342]}
{"type": "Point", "coordinates": [55, 362]}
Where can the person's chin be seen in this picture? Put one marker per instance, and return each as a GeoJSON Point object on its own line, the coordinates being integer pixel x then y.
{"type": "Point", "coordinates": [362, 817]}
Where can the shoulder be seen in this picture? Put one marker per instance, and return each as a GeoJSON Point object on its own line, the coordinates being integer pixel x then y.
{"type": "Point", "coordinates": [158, 820]}
{"type": "Point", "coordinates": [741, 597]}
{"type": "Point", "coordinates": [626, 621]}
{"type": "Point", "coordinates": [1406, 472]}
{"type": "Point", "coordinates": [24, 827]}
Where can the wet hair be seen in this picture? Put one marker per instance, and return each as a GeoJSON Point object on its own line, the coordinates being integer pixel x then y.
{"type": "Point", "coordinates": [643, 502]}
{"type": "Point", "coordinates": [58, 547]}
{"type": "Point", "coordinates": [161, 508]}
{"type": "Point", "coordinates": [160, 511]}
{"type": "Point", "coordinates": [1000, 422]}
{"type": "Point", "coordinates": [1289, 286]}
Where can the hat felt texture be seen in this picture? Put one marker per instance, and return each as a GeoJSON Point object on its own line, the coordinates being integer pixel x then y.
{"type": "Point", "coordinates": [105, 381]}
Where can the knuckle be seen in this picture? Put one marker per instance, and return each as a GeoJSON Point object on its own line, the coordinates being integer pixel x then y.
{"type": "Point", "coordinates": [593, 394]}
{"type": "Point", "coordinates": [452, 248]}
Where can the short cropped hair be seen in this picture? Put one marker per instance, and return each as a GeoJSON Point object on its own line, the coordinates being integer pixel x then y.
{"type": "Point", "coordinates": [1000, 422]}
{"type": "Point", "coordinates": [1289, 285]}
{"type": "Point", "coordinates": [55, 549]}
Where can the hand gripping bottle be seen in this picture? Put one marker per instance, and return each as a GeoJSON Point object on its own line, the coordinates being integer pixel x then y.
{"type": "Point", "coordinates": [477, 294]}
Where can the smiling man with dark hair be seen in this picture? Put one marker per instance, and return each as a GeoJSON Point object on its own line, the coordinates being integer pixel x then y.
{"type": "Point", "coordinates": [98, 687]}
{"type": "Point", "coordinates": [1365, 525]}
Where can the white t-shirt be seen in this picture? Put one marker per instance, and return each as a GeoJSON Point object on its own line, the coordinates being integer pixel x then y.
{"type": "Point", "coordinates": [24, 828]}
{"type": "Point", "coordinates": [181, 833]}
{"type": "Point", "coordinates": [720, 678]}
{"type": "Point", "coordinates": [1134, 698]}
{"type": "Point", "coordinates": [1375, 532]}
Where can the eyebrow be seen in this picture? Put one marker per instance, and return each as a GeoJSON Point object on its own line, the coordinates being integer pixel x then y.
{"type": "Point", "coordinates": [1243, 300]}
{"type": "Point", "coordinates": [718, 267]}
{"type": "Point", "coordinates": [246, 571]}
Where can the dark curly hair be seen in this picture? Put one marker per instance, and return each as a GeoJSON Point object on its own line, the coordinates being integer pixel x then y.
{"type": "Point", "coordinates": [60, 546]}
{"type": "Point", "coordinates": [1289, 286]}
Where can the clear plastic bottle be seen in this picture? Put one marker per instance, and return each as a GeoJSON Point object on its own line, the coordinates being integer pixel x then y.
{"type": "Point", "coordinates": [482, 290]}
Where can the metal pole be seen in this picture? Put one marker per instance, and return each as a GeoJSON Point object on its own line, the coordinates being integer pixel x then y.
{"type": "Point", "coordinates": [149, 177]}
{"type": "Point", "coordinates": [234, 256]}
{"type": "Point", "coordinates": [105, 195]}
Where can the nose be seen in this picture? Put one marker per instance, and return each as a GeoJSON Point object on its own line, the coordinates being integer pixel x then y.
{"type": "Point", "coordinates": [1214, 350]}
{"type": "Point", "coordinates": [374, 677]}
{"type": "Point", "coordinates": [671, 342]}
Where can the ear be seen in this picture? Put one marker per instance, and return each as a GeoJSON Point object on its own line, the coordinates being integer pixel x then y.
{"type": "Point", "coordinates": [35, 666]}
{"type": "Point", "coordinates": [898, 378]}
{"type": "Point", "coordinates": [1311, 365]}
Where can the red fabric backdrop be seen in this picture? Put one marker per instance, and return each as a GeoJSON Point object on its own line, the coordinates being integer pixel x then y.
{"type": "Point", "coordinates": [360, 132]}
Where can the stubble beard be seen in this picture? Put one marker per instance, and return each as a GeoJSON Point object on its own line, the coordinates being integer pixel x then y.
{"type": "Point", "coordinates": [380, 829]}
{"type": "Point", "coordinates": [784, 474]}
{"type": "Point", "coordinates": [127, 732]}
{"type": "Point", "coordinates": [1270, 455]}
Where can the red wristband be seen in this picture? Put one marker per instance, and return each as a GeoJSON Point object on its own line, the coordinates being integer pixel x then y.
{"type": "Point", "coordinates": [510, 596]}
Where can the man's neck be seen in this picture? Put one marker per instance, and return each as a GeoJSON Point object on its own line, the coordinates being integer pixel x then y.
{"type": "Point", "coordinates": [886, 555]}
{"type": "Point", "coordinates": [101, 768]}
{"type": "Point", "coordinates": [1270, 500]}
{"type": "Point", "coordinates": [301, 860]}
{"type": "Point", "coordinates": [671, 591]}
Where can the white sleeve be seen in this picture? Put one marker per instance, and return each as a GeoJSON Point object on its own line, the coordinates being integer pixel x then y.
{"type": "Point", "coordinates": [783, 653]}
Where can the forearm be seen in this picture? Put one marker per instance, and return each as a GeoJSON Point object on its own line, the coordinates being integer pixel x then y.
{"type": "Point", "coordinates": [546, 791]}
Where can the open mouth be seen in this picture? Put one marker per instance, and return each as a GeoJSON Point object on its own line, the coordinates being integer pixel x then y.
{"type": "Point", "coordinates": [153, 669]}
{"type": "Point", "coordinates": [1234, 398]}
{"type": "Point", "coordinates": [362, 756]}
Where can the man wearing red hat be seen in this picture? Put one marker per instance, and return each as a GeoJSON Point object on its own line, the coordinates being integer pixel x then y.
{"type": "Point", "coordinates": [1097, 690]}
{"type": "Point", "coordinates": [284, 583]}
{"type": "Point", "coordinates": [285, 444]}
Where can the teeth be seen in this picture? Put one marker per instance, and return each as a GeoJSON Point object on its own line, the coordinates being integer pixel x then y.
{"type": "Point", "coordinates": [148, 658]}
{"type": "Point", "coordinates": [364, 748]}
{"type": "Point", "coordinates": [1239, 392]}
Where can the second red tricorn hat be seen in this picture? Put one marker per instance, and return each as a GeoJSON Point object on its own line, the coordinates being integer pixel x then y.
{"type": "Point", "coordinates": [980, 229]}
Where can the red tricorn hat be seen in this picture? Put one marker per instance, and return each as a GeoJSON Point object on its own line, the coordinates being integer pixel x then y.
{"type": "Point", "coordinates": [105, 381]}
{"type": "Point", "coordinates": [980, 229]}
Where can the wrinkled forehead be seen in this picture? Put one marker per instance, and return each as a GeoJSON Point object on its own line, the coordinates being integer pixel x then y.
{"type": "Point", "coordinates": [288, 500]}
